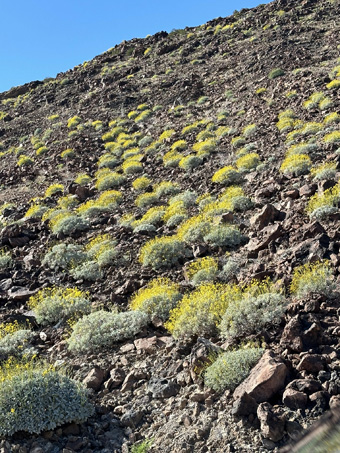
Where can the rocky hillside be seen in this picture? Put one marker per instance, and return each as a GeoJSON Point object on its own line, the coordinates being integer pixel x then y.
{"type": "Point", "coordinates": [169, 266]}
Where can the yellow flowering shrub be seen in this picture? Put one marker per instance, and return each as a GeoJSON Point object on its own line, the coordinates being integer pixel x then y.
{"type": "Point", "coordinates": [53, 304]}
{"type": "Point", "coordinates": [199, 312]}
{"type": "Point", "coordinates": [312, 278]}
{"type": "Point", "coordinates": [157, 298]}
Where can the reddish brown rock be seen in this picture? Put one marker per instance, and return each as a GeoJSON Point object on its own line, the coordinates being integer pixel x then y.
{"type": "Point", "coordinates": [272, 426]}
{"type": "Point", "coordinates": [294, 399]}
{"type": "Point", "coordinates": [265, 379]}
{"type": "Point", "coordinates": [146, 344]}
{"type": "Point", "coordinates": [334, 403]}
{"type": "Point", "coordinates": [94, 379]}
{"type": "Point", "coordinates": [312, 363]}
{"type": "Point", "coordinates": [267, 215]}
{"type": "Point", "coordinates": [291, 336]}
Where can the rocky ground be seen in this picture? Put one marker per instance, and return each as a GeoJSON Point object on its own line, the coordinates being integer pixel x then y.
{"type": "Point", "coordinates": [148, 387]}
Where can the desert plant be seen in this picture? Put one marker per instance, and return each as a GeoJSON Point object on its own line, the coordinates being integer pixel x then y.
{"type": "Point", "coordinates": [145, 200]}
{"type": "Point", "coordinates": [109, 180]}
{"type": "Point", "coordinates": [24, 161]}
{"type": "Point", "coordinates": [35, 397]}
{"type": "Point", "coordinates": [202, 270]}
{"type": "Point", "coordinates": [157, 298]}
{"type": "Point", "coordinates": [54, 304]}
{"type": "Point", "coordinates": [260, 305]}
{"type": "Point", "coordinates": [194, 229]}
{"type": "Point", "coordinates": [190, 162]}
{"type": "Point", "coordinates": [326, 170]}
{"type": "Point", "coordinates": [277, 72]}
{"type": "Point", "coordinates": [332, 137]}
{"type": "Point", "coordinates": [333, 85]}
{"type": "Point", "coordinates": [227, 176]}
{"type": "Point", "coordinates": [319, 205]}
{"type": "Point", "coordinates": [162, 252]}
{"type": "Point", "coordinates": [68, 153]}
{"type": "Point", "coordinates": [166, 188]}
{"type": "Point", "coordinates": [73, 122]}
{"type": "Point", "coordinates": [5, 259]}
{"type": "Point", "coordinates": [83, 179]}
{"type": "Point", "coordinates": [67, 223]}
{"type": "Point", "coordinates": [103, 329]}
{"type": "Point", "coordinates": [296, 164]}
{"type": "Point", "coordinates": [63, 256]}
{"type": "Point", "coordinates": [88, 270]}
{"type": "Point", "coordinates": [248, 161]}
{"type": "Point", "coordinates": [15, 340]}
{"type": "Point", "coordinates": [53, 189]}
{"type": "Point", "coordinates": [200, 311]}
{"type": "Point", "coordinates": [313, 278]}
{"type": "Point", "coordinates": [223, 236]}
{"type": "Point", "coordinates": [231, 368]}
{"type": "Point", "coordinates": [141, 184]}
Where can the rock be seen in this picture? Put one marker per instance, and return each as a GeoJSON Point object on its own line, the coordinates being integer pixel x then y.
{"type": "Point", "coordinates": [291, 336]}
{"type": "Point", "coordinates": [6, 284]}
{"type": "Point", "coordinates": [266, 191]}
{"type": "Point", "coordinates": [245, 405]}
{"type": "Point", "coordinates": [293, 194]}
{"type": "Point", "coordinates": [308, 190]}
{"type": "Point", "coordinates": [272, 426]}
{"type": "Point", "coordinates": [31, 262]}
{"type": "Point", "coordinates": [265, 379]}
{"type": "Point", "coordinates": [199, 250]}
{"type": "Point", "coordinates": [163, 388]}
{"type": "Point", "coordinates": [201, 356]}
{"type": "Point", "coordinates": [117, 376]}
{"type": "Point", "coordinates": [320, 399]}
{"type": "Point", "coordinates": [20, 293]}
{"type": "Point", "coordinates": [271, 233]}
{"type": "Point", "coordinates": [131, 418]}
{"type": "Point", "coordinates": [71, 429]}
{"type": "Point", "coordinates": [267, 215]}
{"type": "Point", "coordinates": [307, 386]}
{"type": "Point", "coordinates": [94, 379]}
{"type": "Point", "coordinates": [146, 344]}
{"type": "Point", "coordinates": [227, 217]}
{"type": "Point", "coordinates": [198, 397]}
{"type": "Point", "coordinates": [334, 403]}
{"type": "Point", "coordinates": [312, 363]}
{"type": "Point", "coordinates": [294, 399]}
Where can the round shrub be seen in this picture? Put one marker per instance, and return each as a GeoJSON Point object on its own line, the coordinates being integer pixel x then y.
{"type": "Point", "coordinates": [227, 175]}
{"type": "Point", "coordinates": [223, 236]}
{"type": "Point", "coordinates": [103, 329]}
{"type": "Point", "coordinates": [15, 340]}
{"type": "Point", "coordinates": [68, 223]}
{"type": "Point", "coordinates": [190, 162]}
{"type": "Point", "coordinates": [250, 314]}
{"type": "Point", "coordinates": [53, 304]}
{"type": "Point", "coordinates": [162, 252]}
{"type": "Point", "coordinates": [36, 398]}
{"type": "Point", "coordinates": [88, 270]}
{"type": "Point", "coordinates": [62, 255]}
{"type": "Point", "coordinates": [313, 278]}
{"type": "Point", "coordinates": [157, 299]}
{"type": "Point", "coordinates": [231, 368]}
{"type": "Point", "coordinates": [200, 311]}
{"type": "Point", "coordinates": [296, 164]}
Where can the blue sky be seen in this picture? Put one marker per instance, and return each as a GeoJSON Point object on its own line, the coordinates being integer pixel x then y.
{"type": "Point", "coordinates": [40, 38]}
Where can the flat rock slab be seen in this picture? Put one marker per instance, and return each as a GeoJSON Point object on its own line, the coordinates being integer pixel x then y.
{"type": "Point", "coordinates": [265, 379]}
